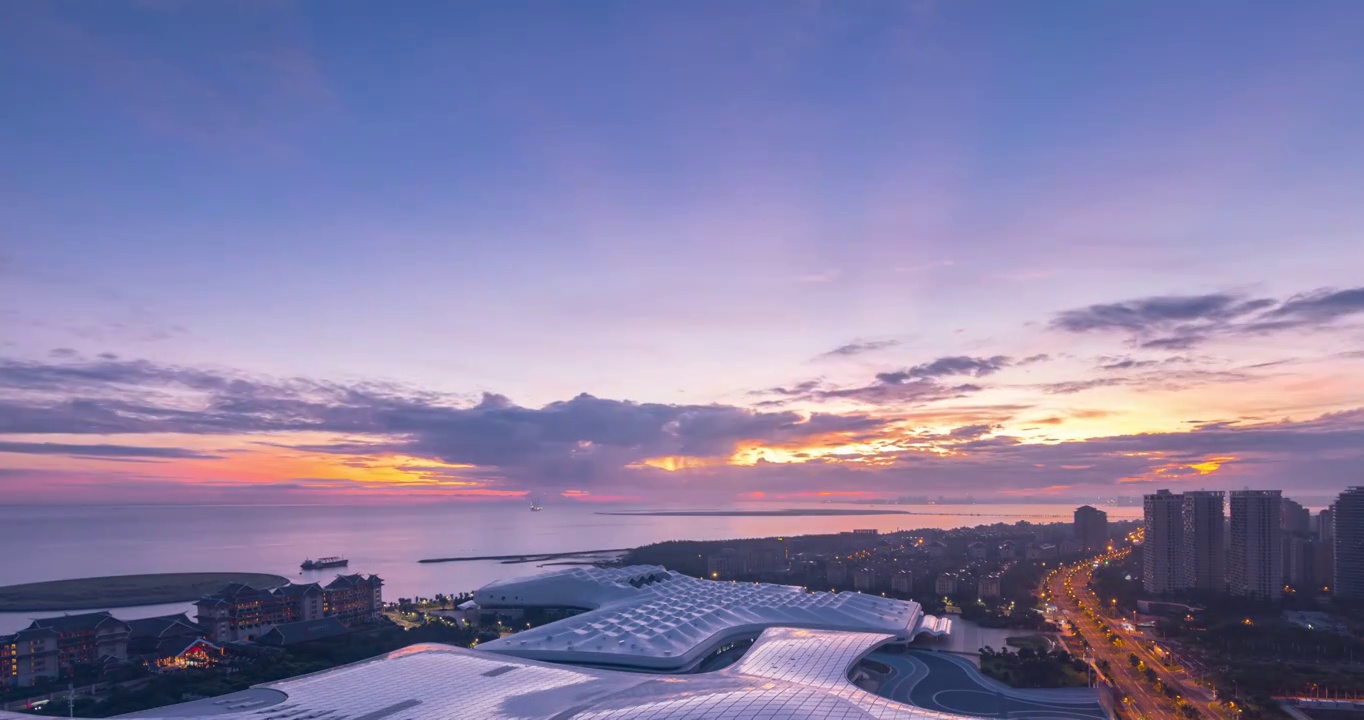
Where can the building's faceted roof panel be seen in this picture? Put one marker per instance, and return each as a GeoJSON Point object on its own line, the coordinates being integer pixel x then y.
{"type": "Point", "coordinates": [789, 674]}
{"type": "Point", "coordinates": [649, 617]}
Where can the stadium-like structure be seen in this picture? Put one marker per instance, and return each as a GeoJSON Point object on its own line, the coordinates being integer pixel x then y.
{"type": "Point", "coordinates": [625, 656]}
{"type": "Point", "coordinates": [646, 617]}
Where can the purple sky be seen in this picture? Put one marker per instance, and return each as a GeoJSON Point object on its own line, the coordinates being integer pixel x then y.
{"type": "Point", "coordinates": [679, 252]}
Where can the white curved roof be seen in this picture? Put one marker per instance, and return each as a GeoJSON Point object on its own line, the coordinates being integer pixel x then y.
{"type": "Point", "coordinates": [648, 617]}
{"type": "Point", "coordinates": [789, 674]}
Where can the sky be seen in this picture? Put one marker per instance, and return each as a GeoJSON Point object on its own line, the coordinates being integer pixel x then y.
{"type": "Point", "coordinates": [665, 253]}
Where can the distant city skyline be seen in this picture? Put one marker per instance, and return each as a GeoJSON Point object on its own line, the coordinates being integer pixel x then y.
{"type": "Point", "coordinates": [698, 253]}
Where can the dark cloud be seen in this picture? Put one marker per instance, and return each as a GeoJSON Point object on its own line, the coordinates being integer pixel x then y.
{"type": "Point", "coordinates": [799, 389]}
{"type": "Point", "coordinates": [1190, 339]}
{"type": "Point", "coordinates": [1184, 322]}
{"type": "Point", "coordinates": [102, 451]}
{"type": "Point", "coordinates": [1128, 363]}
{"type": "Point", "coordinates": [1319, 307]}
{"type": "Point", "coordinates": [889, 390]}
{"type": "Point", "coordinates": [858, 348]}
{"type": "Point", "coordinates": [970, 432]}
{"type": "Point", "coordinates": [1156, 313]}
{"type": "Point", "coordinates": [1073, 386]}
{"type": "Point", "coordinates": [954, 365]}
{"type": "Point", "coordinates": [581, 439]}
{"type": "Point", "coordinates": [599, 444]}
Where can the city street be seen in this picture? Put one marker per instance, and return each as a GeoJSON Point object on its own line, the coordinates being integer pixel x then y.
{"type": "Point", "coordinates": [1068, 589]}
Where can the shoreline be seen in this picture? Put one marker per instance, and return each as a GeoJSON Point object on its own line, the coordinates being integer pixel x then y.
{"type": "Point", "coordinates": [124, 591]}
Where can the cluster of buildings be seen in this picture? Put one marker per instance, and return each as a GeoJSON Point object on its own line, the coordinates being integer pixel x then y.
{"type": "Point", "coordinates": [242, 613]}
{"type": "Point", "coordinates": [1267, 545]}
{"type": "Point", "coordinates": [623, 654]}
{"type": "Point", "coordinates": [965, 564]}
{"type": "Point", "coordinates": [49, 647]}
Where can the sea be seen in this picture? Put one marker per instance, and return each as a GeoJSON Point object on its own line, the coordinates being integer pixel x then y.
{"type": "Point", "coordinates": [74, 541]}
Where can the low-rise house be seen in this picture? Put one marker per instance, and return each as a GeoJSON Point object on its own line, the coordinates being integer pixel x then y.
{"type": "Point", "coordinates": [865, 580]}
{"type": "Point", "coordinates": [945, 584]}
{"type": "Point", "coordinates": [976, 550]}
{"type": "Point", "coordinates": [988, 587]}
{"type": "Point", "coordinates": [902, 582]}
{"type": "Point", "coordinates": [169, 641]}
{"type": "Point", "coordinates": [178, 653]}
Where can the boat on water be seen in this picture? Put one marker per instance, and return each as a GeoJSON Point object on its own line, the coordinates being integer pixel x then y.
{"type": "Point", "coordinates": [535, 505]}
{"type": "Point", "coordinates": [325, 562]}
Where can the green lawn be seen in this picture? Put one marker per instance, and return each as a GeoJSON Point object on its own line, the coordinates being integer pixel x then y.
{"type": "Point", "coordinates": [123, 590]}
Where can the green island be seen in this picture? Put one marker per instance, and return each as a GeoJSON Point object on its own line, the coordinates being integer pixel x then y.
{"type": "Point", "coordinates": [124, 590]}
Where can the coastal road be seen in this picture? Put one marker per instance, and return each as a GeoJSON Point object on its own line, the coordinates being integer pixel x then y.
{"type": "Point", "coordinates": [1068, 589]}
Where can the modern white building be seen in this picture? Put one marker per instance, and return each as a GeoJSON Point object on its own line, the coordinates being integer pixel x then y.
{"type": "Point", "coordinates": [788, 674]}
{"type": "Point", "coordinates": [645, 617]}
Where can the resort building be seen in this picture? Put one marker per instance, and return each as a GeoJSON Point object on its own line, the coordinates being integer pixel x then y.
{"type": "Point", "coordinates": [353, 599]}
{"type": "Point", "coordinates": [171, 641]}
{"type": "Point", "coordinates": [27, 657]}
{"type": "Point", "coordinates": [86, 638]}
{"type": "Point", "coordinates": [240, 612]}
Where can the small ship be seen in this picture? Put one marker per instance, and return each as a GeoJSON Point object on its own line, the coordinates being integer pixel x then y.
{"type": "Point", "coordinates": [535, 505]}
{"type": "Point", "coordinates": [325, 562]}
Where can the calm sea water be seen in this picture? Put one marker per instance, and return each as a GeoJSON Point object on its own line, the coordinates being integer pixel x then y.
{"type": "Point", "coordinates": [51, 543]}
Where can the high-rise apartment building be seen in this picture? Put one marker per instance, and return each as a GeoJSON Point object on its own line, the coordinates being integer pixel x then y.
{"type": "Point", "coordinates": [1162, 550]}
{"type": "Point", "coordinates": [1255, 559]}
{"type": "Point", "coordinates": [1204, 545]}
{"type": "Point", "coordinates": [1300, 562]}
{"type": "Point", "coordinates": [1323, 526]}
{"type": "Point", "coordinates": [1296, 518]}
{"type": "Point", "coordinates": [1348, 528]}
{"type": "Point", "coordinates": [1091, 528]}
